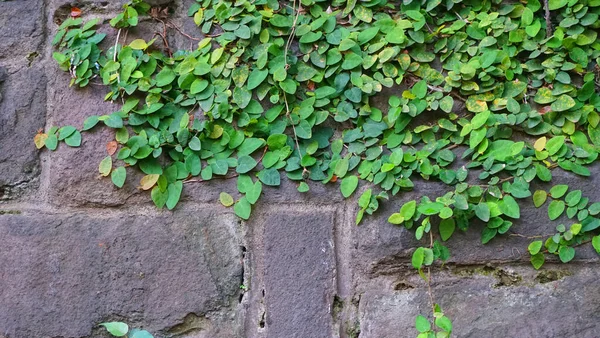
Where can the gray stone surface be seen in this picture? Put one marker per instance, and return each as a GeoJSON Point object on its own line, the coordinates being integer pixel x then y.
{"type": "Point", "coordinates": [22, 113]}
{"type": "Point", "coordinates": [294, 266]}
{"type": "Point", "coordinates": [479, 307]}
{"type": "Point", "coordinates": [60, 275]}
{"type": "Point", "coordinates": [76, 251]}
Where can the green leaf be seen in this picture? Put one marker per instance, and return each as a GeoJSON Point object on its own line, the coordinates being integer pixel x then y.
{"type": "Point", "coordinates": [422, 324]}
{"type": "Point", "coordinates": [174, 189]}
{"type": "Point", "coordinates": [396, 218]}
{"type": "Point", "coordinates": [105, 166]}
{"type": "Point", "coordinates": [573, 198]}
{"type": "Point", "coordinates": [482, 211]}
{"type": "Point", "coordinates": [277, 141]}
{"type": "Point", "coordinates": [226, 199]}
{"type": "Point", "coordinates": [117, 329]}
{"type": "Point", "coordinates": [446, 104]}
{"type": "Point", "coordinates": [596, 243]}
{"type": "Point", "coordinates": [243, 208]}
{"type": "Point", "coordinates": [418, 258]}
{"type": "Point", "coordinates": [256, 77]}
{"type": "Point", "coordinates": [90, 122]}
{"type": "Point", "coordinates": [564, 102]}
{"type": "Point", "coordinates": [537, 260]}
{"type": "Point", "coordinates": [509, 207]}
{"type": "Point", "coordinates": [74, 140]}
{"type": "Point", "coordinates": [447, 227]}
{"type": "Point", "coordinates": [535, 247]}
{"type": "Point", "coordinates": [555, 209]}
{"type": "Point", "coordinates": [140, 334]}
{"type": "Point", "coordinates": [488, 234]}
{"type": "Point", "coordinates": [554, 144]}
{"type": "Point", "coordinates": [351, 60]}
{"type": "Point", "coordinates": [543, 173]}
{"type": "Point", "coordinates": [165, 77]}
{"type": "Point", "coordinates": [556, 4]}
{"type": "Point", "coordinates": [138, 44]}
{"type": "Point", "coordinates": [444, 323]}
{"type": "Point", "coordinates": [245, 164]}
{"type": "Point", "coordinates": [253, 192]}
{"type": "Point", "coordinates": [303, 187]}
{"type": "Point", "coordinates": [539, 198]}
{"type": "Point", "coordinates": [420, 89]}
{"type": "Point", "coordinates": [407, 211]}
{"type": "Point", "coordinates": [159, 197]}
{"type": "Point", "coordinates": [349, 185]}
{"type": "Point", "coordinates": [566, 254]}
{"type": "Point", "coordinates": [118, 176]}
{"type": "Point", "coordinates": [558, 190]}
{"type": "Point", "coordinates": [270, 177]}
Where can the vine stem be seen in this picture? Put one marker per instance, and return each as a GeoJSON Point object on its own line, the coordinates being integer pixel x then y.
{"type": "Point", "coordinates": [285, 52]}
{"type": "Point", "coordinates": [200, 180]}
{"type": "Point", "coordinates": [547, 17]}
{"type": "Point", "coordinates": [431, 301]}
{"type": "Point", "coordinates": [115, 52]}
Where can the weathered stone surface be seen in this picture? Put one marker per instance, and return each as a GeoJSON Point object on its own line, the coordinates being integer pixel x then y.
{"type": "Point", "coordinates": [20, 38]}
{"type": "Point", "coordinates": [22, 113]}
{"type": "Point", "coordinates": [60, 275]}
{"type": "Point", "coordinates": [550, 305]}
{"type": "Point", "coordinates": [295, 251]}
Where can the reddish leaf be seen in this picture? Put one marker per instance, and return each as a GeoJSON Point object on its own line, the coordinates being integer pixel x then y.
{"type": "Point", "coordinates": [40, 140]}
{"type": "Point", "coordinates": [310, 85]}
{"type": "Point", "coordinates": [334, 179]}
{"type": "Point", "coordinates": [544, 110]}
{"type": "Point", "coordinates": [111, 147]}
{"type": "Point", "coordinates": [75, 12]}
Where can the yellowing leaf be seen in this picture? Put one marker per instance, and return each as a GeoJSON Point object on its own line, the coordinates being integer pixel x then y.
{"type": "Point", "coordinates": [105, 166]}
{"type": "Point", "coordinates": [138, 44]}
{"type": "Point", "coordinates": [540, 144]}
{"type": "Point", "coordinates": [148, 181]}
{"type": "Point", "coordinates": [40, 140]}
{"type": "Point", "coordinates": [226, 199]}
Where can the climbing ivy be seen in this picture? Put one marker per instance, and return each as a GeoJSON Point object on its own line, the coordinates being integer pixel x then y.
{"type": "Point", "coordinates": [489, 97]}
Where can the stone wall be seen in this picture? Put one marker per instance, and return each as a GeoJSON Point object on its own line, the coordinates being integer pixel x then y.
{"type": "Point", "coordinates": [75, 251]}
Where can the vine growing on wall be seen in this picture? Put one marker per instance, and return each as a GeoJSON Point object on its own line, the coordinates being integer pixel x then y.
{"type": "Point", "coordinates": [489, 97]}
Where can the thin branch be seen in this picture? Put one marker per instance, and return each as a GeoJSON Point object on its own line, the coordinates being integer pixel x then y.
{"type": "Point", "coordinates": [548, 20]}
{"type": "Point", "coordinates": [200, 180]}
{"type": "Point", "coordinates": [172, 25]}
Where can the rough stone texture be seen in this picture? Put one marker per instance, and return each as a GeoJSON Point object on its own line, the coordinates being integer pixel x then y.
{"type": "Point", "coordinates": [294, 250]}
{"type": "Point", "coordinates": [75, 251]}
{"type": "Point", "coordinates": [480, 306]}
{"type": "Point", "coordinates": [22, 113]}
{"type": "Point", "coordinates": [61, 274]}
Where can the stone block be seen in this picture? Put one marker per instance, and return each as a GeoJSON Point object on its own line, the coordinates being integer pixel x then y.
{"type": "Point", "coordinates": [21, 31]}
{"type": "Point", "coordinates": [61, 275]}
{"type": "Point", "coordinates": [22, 113]}
{"type": "Point", "coordinates": [515, 302]}
{"type": "Point", "coordinates": [293, 274]}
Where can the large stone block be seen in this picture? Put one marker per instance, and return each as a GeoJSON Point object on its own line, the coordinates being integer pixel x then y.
{"type": "Point", "coordinates": [21, 31]}
{"type": "Point", "coordinates": [61, 275]}
{"type": "Point", "coordinates": [22, 113]}
{"type": "Point", "coordinates": [510, 302]}
{"type": "Point", "coordinates": [293, 274]}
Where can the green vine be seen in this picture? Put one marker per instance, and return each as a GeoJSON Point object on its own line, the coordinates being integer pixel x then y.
{"type": "Point", "coordinates": [504, 92]}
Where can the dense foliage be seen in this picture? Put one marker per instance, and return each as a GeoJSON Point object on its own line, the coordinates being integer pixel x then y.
{"type": "Point", "coordinates": [508, 88]}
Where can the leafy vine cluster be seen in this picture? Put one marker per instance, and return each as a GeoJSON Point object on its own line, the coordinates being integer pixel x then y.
{"type": "Point", "coordinates": [491, 96]}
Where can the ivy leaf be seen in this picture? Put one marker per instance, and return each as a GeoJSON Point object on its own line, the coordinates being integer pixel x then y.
{"type": "Point", "coordinates": [174, 190]}
{"type": "Point", "coordinates": [118, 176]}
{"type": "Point", "coordinates": [245, 164]}
{"type": "Point", "coordinates": [537, 260]}
{"type": "Point", "coordinates": [140, 334]}
{"type": "Point", "coordinates": [554, 144]}
{"type": "Point", "coordinates": [539, 198]}
{"type": "Point", "coordinates": [117, 329]}
{"type": "Point", "coordinates": [253, 192]}
{"type": "Point", "coordinates": [243, 208]}
{"type": "Point", "coordinates": [420, 89]}
{"type": "Point", "coordinates": [148, 181]}
{"type": "Point", "coordinates": [447, 227]}
{"type": "Point", "coordinates": [165, 77]}
{"type": "Point", "coordinates": [556, 4]}
{"type": "Point", "coordinates": [535, 247]}
{"type": "Point", "coordinates": [564, 102]}
{"type": "Point", "coordinates": [482, 211]}
{"type": "Point", "coordinates": [408, 209]}
{"type": "Point", "coordinates": [138, 44]}
{"type": "Point", "coordinates": [509, 207]}
{"type": "Point", "coordinates": [446, 104]}
{"type": "Point", "coordinates": [596, 243]}
{"type": "Point", "coordinates": [422, 324]}
{"type": "Point", "coordinates": [269, 177]}
{"type": "Point", "coordinates": [566, 254]}
{"type": "Point", "coordinates": [555, 209]}
{"type": "Point", "coordinates": [349, 185]}
{"type": "Point", "coordinates": [418, 258]}
{"type": "Point", "coordinates": [558, 190]}
{"type": "Point", "coordinates": [226, 199]}
{"type": "Point", "coordinates": [256, 77]}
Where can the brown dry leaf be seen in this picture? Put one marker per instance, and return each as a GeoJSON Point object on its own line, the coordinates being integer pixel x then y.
{"type": "Point", "coordinates": [75, 12]}
{"type": "Point", "coordinates": [111, 147]}
{"type": "Point", "coordinates": [40, 140]}
{"type": "Point", "coordinates": [545, 110]}
{"type": "Point", "coordinates": [148, 181]}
